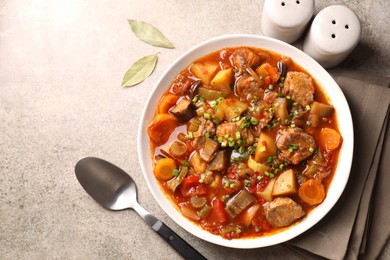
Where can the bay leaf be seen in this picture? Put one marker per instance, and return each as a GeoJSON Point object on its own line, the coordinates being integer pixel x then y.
{"type": "Point", "coordinates": [139, 70]}
{"type": "Point", "coordinates": [149, 34]}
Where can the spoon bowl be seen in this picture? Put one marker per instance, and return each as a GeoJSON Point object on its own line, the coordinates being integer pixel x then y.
{"type": "Point", "coordinates": [114, 189]}
{"type": "Point", "coordinates": [109, 185]}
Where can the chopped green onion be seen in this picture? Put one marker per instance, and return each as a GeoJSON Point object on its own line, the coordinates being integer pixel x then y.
{"type": "Point", "coordinates": [232, 185]}
{"type": "Point", "coordinates": [254, 121]}
{"type": "Point", "coordinates": [281, 84]}
{"type": "Point", "coordinates": [262, 148]}
{"type": "Point", "coordinates": [295, 104]}
{"type": "Point", "coordinates": [307, 107]}
{"type": "Point", "coordinates": [207, 115]}
{"type": "Point", "coordinates": [190, 135]}
{"type": "Point", "coordinates": [195, 99]}
{"type": "Point", "coordinates": [207, 135]}
{"type": "Point", "coordinates": [201, 99]}
{"type": "Point", "coordinates": [251, 150]}
{"type": "Point", "coordinates": [220, 99]}
{"type": "Point", "coordinates": [238, 135]}
{"type": "Point", "coordinates": [241, 150]}
{"type": "Point", "coordinates": [232, 143]}
{"type": "Point", "coordinates": [288, 97]}
{"type": "Point", "coordinates": [311, 149]}
{"type": "Point", "coordinates": [270, 86]}
{"type": "Point", "coordinates": [216, 121]}
{"type": "Point", "coordinates": [175, 172]}
{"type": "Point", "coordinates": [224, 144]}
{"type": "Point", "coordinates": [186, 164]}
{"type": "Point", "coordinates": [238, 231]}
{"type": "Point", "coordinates": [227, 184]}
{"type": "Point", "coordinates": [213, 104]}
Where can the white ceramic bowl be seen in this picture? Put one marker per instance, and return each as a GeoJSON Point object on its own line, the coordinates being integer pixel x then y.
{"type": "Point", "coordinates": [323, 78]}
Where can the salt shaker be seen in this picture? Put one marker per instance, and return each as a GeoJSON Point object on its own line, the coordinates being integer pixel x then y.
{"type": "Point", "coordinates": [286, 19]}
{"type": "Point", "coordinates": [333, 35]}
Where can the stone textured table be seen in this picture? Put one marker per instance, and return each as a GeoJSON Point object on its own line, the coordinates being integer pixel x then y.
{"type": "Point", "coordinates": [61, 67]}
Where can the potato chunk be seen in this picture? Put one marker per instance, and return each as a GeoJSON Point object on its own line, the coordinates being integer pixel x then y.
{"type": "Point", "coordinates": [222, 80]}
{"type": "Point", "coordinates": [265, 147]}
{"type": "Point", "coordinates": [204, 71]}
{"type": "Point", "coordinates": [267, 192]}
{"type": "Point", "coordinates": [285, 184]}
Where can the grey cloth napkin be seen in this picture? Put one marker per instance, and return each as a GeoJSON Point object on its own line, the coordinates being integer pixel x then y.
{"type": "Point", "coordinates": [358, 226]}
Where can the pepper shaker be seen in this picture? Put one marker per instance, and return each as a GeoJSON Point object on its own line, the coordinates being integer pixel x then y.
{"type": "Point", "coordinates": [333, 35]}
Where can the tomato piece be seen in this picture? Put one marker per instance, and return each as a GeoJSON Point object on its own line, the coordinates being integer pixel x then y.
{"type": "Point", "coordinates": [191, 187]}
{"type": "Point", "coordinates": [217, 214]}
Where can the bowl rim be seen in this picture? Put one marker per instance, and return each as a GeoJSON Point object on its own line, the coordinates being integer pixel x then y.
{"type": "Point", "coordinates": [328, 85]}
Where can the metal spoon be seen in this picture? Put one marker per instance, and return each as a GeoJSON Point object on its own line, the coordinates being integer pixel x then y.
{"type": "Point", "coordinates": [114, 189]}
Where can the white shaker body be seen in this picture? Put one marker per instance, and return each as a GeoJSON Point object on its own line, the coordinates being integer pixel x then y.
{"type": "Point", "coordinates": [333, 35]}
{"type": "Point", "coordinates": [286, 19]}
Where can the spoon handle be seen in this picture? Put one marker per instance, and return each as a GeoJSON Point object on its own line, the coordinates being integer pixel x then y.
{"type": "Point", "coordinates": [181, 246]}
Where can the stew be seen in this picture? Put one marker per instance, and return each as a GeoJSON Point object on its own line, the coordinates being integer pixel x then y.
{"type": "Point", "coordinates": [244, 142]}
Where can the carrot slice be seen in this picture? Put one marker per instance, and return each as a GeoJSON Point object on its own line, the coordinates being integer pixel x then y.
{"type": "Point", "coordinates": [164, 168]}
{"type": "Point", "coordinates": [161, 128]}
{"type": "Point", "coordinates": [330, 138]}
{"type": "Point", "coordinates": [167, 101]}
{"type": "Point", "coordinates": [312, 192]}
{"type": "Point", "coordinates": [270, 73]}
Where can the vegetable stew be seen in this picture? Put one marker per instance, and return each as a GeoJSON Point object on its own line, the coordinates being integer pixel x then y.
{"type": "Point", "coordinates": [244, 142]}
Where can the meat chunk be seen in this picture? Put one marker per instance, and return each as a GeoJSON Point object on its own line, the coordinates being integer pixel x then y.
{"type": "Point", "coordinates": [299, 86]}
{"type": "Point", "coordinates": [184, 110]}
{"type": "Point", "coordinates": [230, 130]}
{"type": "Point", "coordinates": [244, 58]}
{"type": "Point", "coordinates": [283, 211]}
{"type": "Point", "coordinates": [247, 87]}
{"type": "Point", "coordinates": [205, 126]}
{"type": "Point", "coordinates": [295, 145]}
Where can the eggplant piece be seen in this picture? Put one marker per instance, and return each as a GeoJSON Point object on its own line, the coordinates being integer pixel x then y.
{"type": "Point", "coordinates": [219, 161]}
{"type": "Point", "coordinates": [238, 203]}
{"type": "Point", "coordinates": [321, 109]}
{"type": "Point", "coordinates": [281, 112]}
{"type": "Point", "coordinates": [194, 88]}
{"type": "Point", "coordinates": [172, 184]}
{"type": "Point", "coordinates": [209, 148]}
{"type": "Point", "coordinates": [184, 110]}
{"type": "Point", "coordinates": [282, 68]}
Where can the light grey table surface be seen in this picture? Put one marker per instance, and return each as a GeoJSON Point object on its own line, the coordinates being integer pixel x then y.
{"type": "Point", "coordinates": [61, 67]}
